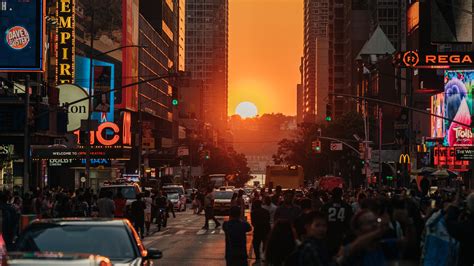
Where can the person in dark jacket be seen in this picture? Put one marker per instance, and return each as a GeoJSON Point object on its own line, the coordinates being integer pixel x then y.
{"type": "Point", "coordinates": [235, 239]}
{"type": "Point", "coordinates": [288, 210]}
{"type": "Point", "coordinates": [137, 211]}
{"type": "Point", "coordinates": [261, 226]}
{"type": "Point", "coordinates": [8, 220]}
{"type": "Point", "coordinates": [462, 230]}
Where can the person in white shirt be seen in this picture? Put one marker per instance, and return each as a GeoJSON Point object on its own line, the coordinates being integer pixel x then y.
{"type": "Point", "coordinates": [270, 207]}
{"type": "Point", "coordinates": [148, 202]}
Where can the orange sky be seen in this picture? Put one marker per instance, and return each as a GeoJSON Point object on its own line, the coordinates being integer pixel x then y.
{"type": "Point", "coordinates": [265, 46]}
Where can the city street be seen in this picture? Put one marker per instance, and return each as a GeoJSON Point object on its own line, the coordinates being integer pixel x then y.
{"type": "Point", "coordinates": [183, 242]}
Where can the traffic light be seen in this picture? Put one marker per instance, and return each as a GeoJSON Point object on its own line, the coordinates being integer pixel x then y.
{"type": "Point", "coordinates": [316, 146]}
{"type": "Point", "coordinates": [207, 155]}
{"type": "Point", "coordinates": [174, 96]}
{"type": "Point", "coordinates": [328, 112]}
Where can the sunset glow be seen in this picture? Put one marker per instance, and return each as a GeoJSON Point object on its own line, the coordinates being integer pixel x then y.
{"type": "Point", "coordinates": [265, 46]}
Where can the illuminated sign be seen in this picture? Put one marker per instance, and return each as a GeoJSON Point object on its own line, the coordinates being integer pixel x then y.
{"type": "Point", "coordinates": [413, 16]}
{"type": "Point", "coordinates": [6, 149]}
{"type": "Point", "coordinates": [458, 105]}
{"type": "Point", "coordinates": [21, 35]}
{"type": "Point", "coordinates": [404, 159]}
{"type": "Point", "coordinates": [446, 156]}
{"type": "Point", "coordinates": [66, 41]}
{"type": "Point", "coordinates": [443, 60]}
{"type": "Point", "coordinates": [118, 153]}
{"type": "Point", "coordinates": [464, 153]}
{"type": "Point", "coordinates": [17, 37]}
{"type": "Point", "coordinates": [108, 134]}
{"type": "Point", "coordinates": [75, 112]}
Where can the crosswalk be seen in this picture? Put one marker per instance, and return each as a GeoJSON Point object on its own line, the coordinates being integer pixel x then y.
{"type": "Point", "coordinates": [181, 232]}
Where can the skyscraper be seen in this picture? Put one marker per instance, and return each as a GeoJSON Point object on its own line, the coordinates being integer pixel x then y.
{"type": "Point", "coordinates": [207, 55]}
{"type": "Point", "coordinates": [316, 19]}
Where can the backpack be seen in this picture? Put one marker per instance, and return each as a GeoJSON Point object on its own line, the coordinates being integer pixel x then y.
{"type": "Point", "coordinates": [438, 247]}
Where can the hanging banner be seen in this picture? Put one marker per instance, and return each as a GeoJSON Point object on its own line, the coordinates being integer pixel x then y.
{"type": "Point", "coordinates": [65, 32]}
{"type": "Point", "coordinates": [21, 35]}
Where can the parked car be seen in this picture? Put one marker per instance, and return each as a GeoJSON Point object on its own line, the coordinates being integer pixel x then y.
{"type": "Point", "coordinates": [178, 201]}
{"type": "Point", "coordinates": [115, 239]}
{"type": "Point", "coordinates": [55, 258]}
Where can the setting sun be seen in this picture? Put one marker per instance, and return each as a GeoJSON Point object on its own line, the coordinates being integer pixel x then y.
{"type": "Point", "coordinates": [246, 110]}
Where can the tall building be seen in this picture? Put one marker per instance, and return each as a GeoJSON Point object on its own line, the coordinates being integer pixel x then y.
{"type": "Point", "coordinates": [207, 55]}
{"type": "Point", "coordinates": [316, 19]}
{"type": "Point", "coordinates": [390, 15]}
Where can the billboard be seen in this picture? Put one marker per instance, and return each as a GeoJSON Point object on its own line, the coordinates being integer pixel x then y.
{"type": "Point", "coordinates": [21, 35]}
{"type": "Point", "coordinates": [458, 105]}
{"type": "Point", "coordinates": [451, 21]}
{"type": "Point", "coordinates": [65, 13]}
{"type": "Point", "coordinates": [115, 26]}
{"type": "Point", "coordinates": [437, 108]}
{"type": "Point", "coordinates": [75, 112]}
{"type": "Point", "coordinates": [104, 80]}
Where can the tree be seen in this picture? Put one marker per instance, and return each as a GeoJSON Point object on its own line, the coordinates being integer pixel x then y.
{"type": "Point", "coordinates": [298, 150]}
{"type": "Point", "coordinates": [228, 162]}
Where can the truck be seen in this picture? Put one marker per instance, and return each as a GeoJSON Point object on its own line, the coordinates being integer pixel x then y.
{"type": "Point", "coordinates": [286, 176]}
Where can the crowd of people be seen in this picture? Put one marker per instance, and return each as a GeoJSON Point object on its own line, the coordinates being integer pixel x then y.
{"type": "Point", "coordinates": [60, 203]}
{"type": "Point", "coordinates": [354, 227]}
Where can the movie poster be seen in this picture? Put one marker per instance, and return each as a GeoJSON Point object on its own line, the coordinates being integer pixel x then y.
{"type": "Point", "coordinates": [458, 94]}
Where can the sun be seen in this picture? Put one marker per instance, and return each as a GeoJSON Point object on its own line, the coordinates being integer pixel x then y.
{"type": "Point", "coordinates": [246, 110]}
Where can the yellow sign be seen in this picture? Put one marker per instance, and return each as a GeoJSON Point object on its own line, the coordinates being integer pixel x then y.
{"type": "Point", "coordinates": [404, 158]}
{"type": "Point", "coordinates": [65, 30]}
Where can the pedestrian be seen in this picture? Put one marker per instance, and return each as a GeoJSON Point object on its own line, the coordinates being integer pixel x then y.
{"type": "Point", "coordinates": [233, 200]}
{"type": "Point", "coordinates": [261, 226]}
{"type": "Point", "coordinates": [306, 208]}
{"type": "Point", "coordinates": [270, 207]}
{"type": "Point", "coordinates": [280, 244]}
{"type": "Point", "coordinates": [276, 198]}
{"type": "Point", "coordinates": [462, 229]}
{"type": "Point", "coordinates": [120, 205]}
{"type": "Point", "coordinates": [339, 215]}
{"type": "Point", "coordinates": [209, 210]}
{"type": "Point", "coordinates": [137, 211]}
{"type": "Point", "coordinates": [9, 220]}
{"type": "Point", "coordinates": [366, 248]}
{"type": "Point", "coordinates": [148, 203]}
{"type": "Point", "coordinates": [241, 204]}
{"type": "Point", "coordinates": [313, 250]}
{"type": "Point", "coordinates": [106, 205]}
{"type": "Point", "coordinates": [288, 210]}
{"type": "Point", "coordinates": [235, 239]}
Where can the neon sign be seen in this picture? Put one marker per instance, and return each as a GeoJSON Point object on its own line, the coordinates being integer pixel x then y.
{"type": "Point", "coordinates": [418, 59]}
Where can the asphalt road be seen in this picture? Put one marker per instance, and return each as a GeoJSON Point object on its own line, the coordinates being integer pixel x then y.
{"type": "Point", "coordinates": [183, 242]}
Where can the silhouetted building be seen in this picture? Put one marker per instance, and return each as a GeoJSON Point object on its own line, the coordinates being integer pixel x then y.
{"type": "Point", "coordinates": [207, 55]}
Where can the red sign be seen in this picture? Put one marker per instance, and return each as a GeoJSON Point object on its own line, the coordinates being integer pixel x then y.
{"type": "Point", "coordinates": [17, 37]}
{"type": "Point", "coordinates": [446, 156]}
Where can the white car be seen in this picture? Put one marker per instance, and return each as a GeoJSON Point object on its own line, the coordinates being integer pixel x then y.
{"type": "Point", "coordinates": [178, 201]}
{"type": "Point", "coordinates": [55, 258]}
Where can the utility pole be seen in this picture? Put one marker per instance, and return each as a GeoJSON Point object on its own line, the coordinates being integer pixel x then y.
{"type": "Point", "coordinates": [91, 76]}
{"type": "Point", "coordinates": [380, 145]}
{"type": "Point", "coordinates": [26, 138]}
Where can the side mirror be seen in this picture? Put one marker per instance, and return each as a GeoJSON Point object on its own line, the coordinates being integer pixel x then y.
{"type": "Point", "coordinates": [154, 254]}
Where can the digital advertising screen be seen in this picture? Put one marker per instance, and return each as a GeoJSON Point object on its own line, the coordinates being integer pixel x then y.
{"type": "Point", "coordinates": [21, 35]}
{"type": "Point", "coordinates": [437, 123]}
{"type": "Point", "coordinates": [458, 94]}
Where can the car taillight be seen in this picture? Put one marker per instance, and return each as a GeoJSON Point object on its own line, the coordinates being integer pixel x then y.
{"type": "Point", "coordinates": [3, 252]}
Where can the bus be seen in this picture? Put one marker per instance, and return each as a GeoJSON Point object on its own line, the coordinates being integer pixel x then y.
{"type": "Point", "coordinates": [286, 176]}
{"type": "Point", "coordinates": [218, 180]}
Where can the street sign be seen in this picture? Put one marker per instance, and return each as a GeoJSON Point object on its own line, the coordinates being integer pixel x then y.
{"type": "Point", "coordinates": [148, 143]}
{"type": "Point", "coordinates": [336, 146]}
{"type": "Point", "coordinates": [465, 153]}
{"type": "Point", "coordinates": [183, 151]}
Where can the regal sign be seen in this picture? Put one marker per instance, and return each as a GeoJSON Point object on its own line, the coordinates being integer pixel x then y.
{"type": "Point", "coordinates": [443, 60]}
{"type": "Point", "coordinates": [66, 41]}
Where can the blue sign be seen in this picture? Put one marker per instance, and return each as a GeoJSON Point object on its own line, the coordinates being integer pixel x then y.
{"type": "Point", "coordinates": [104, 80]}
{"type": "Point", "coordinates": [21, 35]}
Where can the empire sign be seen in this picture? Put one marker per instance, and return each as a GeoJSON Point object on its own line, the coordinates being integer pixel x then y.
{"type": "Point", "coordinates": [66, 41]}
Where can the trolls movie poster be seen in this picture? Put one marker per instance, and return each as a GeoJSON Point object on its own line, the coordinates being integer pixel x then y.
{"type": "Point", "coordinates": [458, 96]}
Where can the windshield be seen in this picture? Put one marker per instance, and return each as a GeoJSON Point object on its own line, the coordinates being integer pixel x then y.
{"type": "Point", "coordinates": [223, 194]}
{"type": "Point", "coordinates": [127, 192]}
{"type": "Point", "coordinates": [170, 190]}
{"type": "Point", "coordinates": [173, 196]}
{"type": "Point", "coordinates": [113, 242]}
